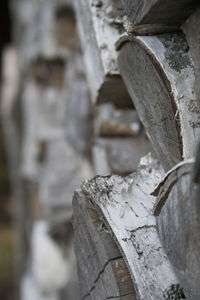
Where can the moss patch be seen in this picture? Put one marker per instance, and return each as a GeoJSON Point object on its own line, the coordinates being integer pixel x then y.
{"type": "Point", "coordinates": [176, 51]}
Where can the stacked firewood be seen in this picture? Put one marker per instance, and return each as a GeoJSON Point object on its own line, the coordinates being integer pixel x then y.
{"type": "Point", "coordinates": [102, 98]}
{"type": "Point", "coordinates": [152, 214]}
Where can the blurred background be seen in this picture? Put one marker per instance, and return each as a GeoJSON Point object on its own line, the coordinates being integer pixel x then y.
{"type": "Point", "coordinates": [7, 232]}
{"type": "Point", "coordinates": [39, 167]}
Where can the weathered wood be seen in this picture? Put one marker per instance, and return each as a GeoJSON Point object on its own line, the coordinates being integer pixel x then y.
{"type": "Point", "coordinates": [167, 12]}
{"type": "Point", "coordinates": [159, 76]}
{"type": "Point", "coordinates": [60, 174]}
{"type": "Point", "coordinates": [192, 32]}
{"type": "Point", "coordinates": [150, 29]}
{"type": "Point", "coordinates": [100, 160]}
{"type": "Point", "coordinates": [178, 225]}
{"type": "Point", "coordinates": [78, 123]}
{"type": "Point", "coordinates": [127, 206]}
{"type": "Point", "coordinates": [120, 141]}
{"type": "Point", "coordinates": [120, 155]}
{"type": "Point", "coordinates": [48, 72]}
{"type": "Point", "coordinates": [48, 31]}
{"type": "Point", "coordinates": [98, 32]}
{"type": "Point", "coordinates": [102, 271]}
{"type": "Point", "coordinates": [112, 122]}
{"type": "Point", "coordinates": [43, 115]}
{"type": "Point", "coordinates": [170, 179]}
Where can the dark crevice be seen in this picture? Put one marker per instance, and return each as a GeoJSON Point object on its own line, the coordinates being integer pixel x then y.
{"type": "Point", "coordinates": [119, 297]}
{"type": "Point", "coordinates": [101, 272]}
{"type": "Point", "coordinates": [5, 31]}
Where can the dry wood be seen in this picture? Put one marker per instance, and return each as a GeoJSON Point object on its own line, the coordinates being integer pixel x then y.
{"type": "Point", "coordinates": [163, 189]}
{"type": "Point", "coordinates": [112, 122]}
{"type": "Point", "coordinates": [102, 271]}
{"type": "Point", "coordinates": [119, 155]}
{"type": "Point", "coordinates": [120, 141]}
{"type": "Point", "coordinates": [78, 123]}
{"type": "Point", "coordinates": [192, 32]}
{"type": "Point", "coordinates": [60, 174]}
{"type": "Point", "coordinates": [162, 88]}
{"type": "Point", "coordinates": [150, 29]}
{"type": "Point", "coordinates": [168, 12]}
{"type": "Point", "coordinates": [98, 31]}
{"type": "Point", "coordinates": [49, 31]}
{"type": "Point", "coordinates": [178, 224]}
{"type": "Point", "coordinates": [127, 206]}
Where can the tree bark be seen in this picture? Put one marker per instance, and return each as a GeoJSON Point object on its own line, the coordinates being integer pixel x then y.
{"type": "Point", "coordinates": [98, 32]}
{"type": "Point", "coordinates": [127, 208]}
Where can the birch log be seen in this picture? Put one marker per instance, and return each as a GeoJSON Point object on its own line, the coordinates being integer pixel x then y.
{"type": "Point", "coordinates": [127, 206]}
{"type": "Point", "coordinates": [78, 123]}
{"type": "Point", "coordinates": [178, 225]}
{"type": "Point", "coordinates": [168, 12]}
{"type": "Point", "coordinates": [159, 75]}
{"type": "Point", "coordinates": [60, 174]}
{"type": "Point", "coordinates": [49, 29]}
{"type": "Point", "coordinates": [192, 32]}
{"type": "Point", "coordinates": [99, 29]}
{"type": "Point", "coordinates": [102, 271]}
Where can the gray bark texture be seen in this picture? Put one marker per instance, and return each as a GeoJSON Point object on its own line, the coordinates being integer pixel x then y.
{"type": "Point", "coordinates": [98, 31]}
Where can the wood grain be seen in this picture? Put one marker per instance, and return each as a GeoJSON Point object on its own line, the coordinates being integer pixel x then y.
{"type": "Point", "coordinates": [178, 225]}
{"type": "Point", "coordinates": [159, 75]}
{"type": "Point", "coordinates": [167, 12]}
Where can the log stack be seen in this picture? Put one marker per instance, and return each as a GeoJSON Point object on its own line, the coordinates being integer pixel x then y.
{"type": "Point", "coordinates": [113, 104]}
{"type": "Point", "coordinates": [147, 212]}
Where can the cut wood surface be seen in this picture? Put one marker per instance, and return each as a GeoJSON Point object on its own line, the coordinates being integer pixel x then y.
{"type": "Point", "coordinates": [127, 207]}
{"type": "Point", "coordinates": [102, 271]}
{"type": "Point", "coordinates": [167, 12]}
{"type": "Point", "coordinates": [178, 225]}
{"type": "Point", "coordinates": [159, 75]}
{"type": "Point", "coordinates": [99, 29]}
